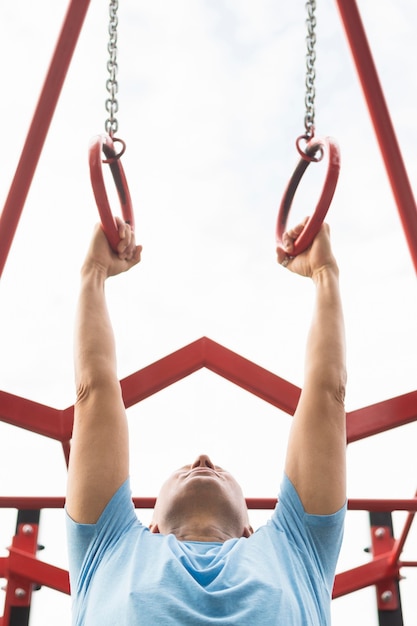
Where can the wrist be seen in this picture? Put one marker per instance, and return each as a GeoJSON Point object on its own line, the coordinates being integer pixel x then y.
{"type": "Point", "coordinates": [328, 271]}
{"type": "Point", "coordinates": [91, 270]}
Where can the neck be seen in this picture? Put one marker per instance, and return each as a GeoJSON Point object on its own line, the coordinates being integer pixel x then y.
{"type": "Point", "coordinates": [201, 532]}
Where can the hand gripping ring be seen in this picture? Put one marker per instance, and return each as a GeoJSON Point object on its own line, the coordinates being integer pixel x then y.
{"type": "Point", "coordinates": [312, 227]}
{"type": "Point", "coordinates": [105, 144]}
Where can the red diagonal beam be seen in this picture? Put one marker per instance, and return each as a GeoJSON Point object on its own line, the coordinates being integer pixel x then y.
{"type": "Point", "coordinates": [206, 353]}
{"type": "Point", "coordinates": [379, 569]}
{"type": "Point", "coordinates": [252, 377]}
{"type": "Point", "coordinates": [382, 416]}
{"type": "Point", "coordinates": [23, 565]}
{"type": "Point", "coordinates": [381, 120]}
{"type": "Point", "coordinates": [40, 419]}
{"type": "Point", "coordinates": [164, 372]}
{"type": "Point", "coordinates": [39, 127]}
{"type": "Point", "coordinates": [201, 353]}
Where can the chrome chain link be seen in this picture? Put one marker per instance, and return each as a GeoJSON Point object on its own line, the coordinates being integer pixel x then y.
{"type": "Point", "coordinates": [311, 72]}
{"type": "Point", "coordinates": [112, 105]}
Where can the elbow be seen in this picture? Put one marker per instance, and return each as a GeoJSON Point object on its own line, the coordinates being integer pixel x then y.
{"type": "Point", "coordinates": [335, 385]}
{"type": "Point", "coordinates": [332, 384]}
{"type": "Point", "coordinates": [88, 389]}
{"type": "Point", "coordinates": [340, 392]}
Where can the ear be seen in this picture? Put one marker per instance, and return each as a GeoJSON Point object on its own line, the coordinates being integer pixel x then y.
{"type": "Point", "coordinates": [154, 528]}
{"type": "Point", "coordinates": [247, 531]}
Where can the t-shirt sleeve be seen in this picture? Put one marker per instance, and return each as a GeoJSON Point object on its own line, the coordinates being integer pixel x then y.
{"type": "Point", "coordinates": [318, 536]}
{"type": "Point", "coordinates": [88, 542]}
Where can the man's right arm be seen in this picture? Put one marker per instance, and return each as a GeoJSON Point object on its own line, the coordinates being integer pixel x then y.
{"type": "Point", "coordinates": [99, 453]}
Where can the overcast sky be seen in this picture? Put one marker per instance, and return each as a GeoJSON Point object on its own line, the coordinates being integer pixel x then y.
{"type": "Point", "coordinates": [211, 100]}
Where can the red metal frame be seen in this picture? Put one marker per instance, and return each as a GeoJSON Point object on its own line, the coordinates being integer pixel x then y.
{"type": "Point", "coordinates": [22, 567]}
{"type": "Point", "coordinates": [381, 119]}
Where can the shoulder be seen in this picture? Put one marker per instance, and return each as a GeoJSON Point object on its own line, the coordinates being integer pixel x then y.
{"type": "Point", "coordinates": [88, 540]}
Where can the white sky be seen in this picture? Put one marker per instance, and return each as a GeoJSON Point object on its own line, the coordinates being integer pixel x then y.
{"type": "Point", "coordinates": [211, 100]}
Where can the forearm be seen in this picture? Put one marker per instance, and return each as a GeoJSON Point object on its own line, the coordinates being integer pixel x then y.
{"type": "Point", "coordinates": [325, 365]}
{"type": "Point", "coordinates": [95, 355]}
{"type": "Point", "coordinates": [99, 460]}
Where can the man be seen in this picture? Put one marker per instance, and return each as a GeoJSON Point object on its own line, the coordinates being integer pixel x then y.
{"type": "Point", "coordinates": [199, 562]}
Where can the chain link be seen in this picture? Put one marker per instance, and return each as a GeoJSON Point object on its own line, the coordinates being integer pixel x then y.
{"type": "Point", "coordinates": [311, 72]}
{"type": "Point", "coordinates": [112, 105]}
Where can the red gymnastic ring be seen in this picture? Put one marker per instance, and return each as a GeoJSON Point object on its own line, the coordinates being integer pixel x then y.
{"type": "Point", "coordinates": [315, 145]}
{"type": "Point", "coordinates": [105, 144]}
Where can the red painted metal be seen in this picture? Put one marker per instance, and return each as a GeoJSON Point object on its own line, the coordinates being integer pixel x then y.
{"type": "Point", "coordinates": [377, 570]}
{"type": "Point", "coordinates": [354, 504]}
{"type": "Point", "coordinates": [39, 127]}
{"type": "Point", "coordinates": [399, 545]}
{"type": "Point", "coordinates": [381, 119]}
{"type": "Point", "coordinates": [328, 146]}
{"type": "Point", "coordinates": [207, 353]}
{"type": "Point", "coordinates": [19, 586]}
{"type": "Point", "coordinates": [32, 570]}
{"type": "Point", "coordinates": [386, 590]}
{"type": "Point", "coordinates": [204, 352]}
{"type": "Point", "coordinates": [33, 416]}
{"type": "Point", "coordinates": [21, 566]}
{"type": "Point", "coordinates": [382, 416]}
{"type": "Point", "coordinates": [105, 143]}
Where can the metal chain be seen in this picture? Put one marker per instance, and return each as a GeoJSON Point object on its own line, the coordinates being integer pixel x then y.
{"type": "Point", "coordinates": [112, 105]}
{"type": "Point", "coordinates": [311, 72]}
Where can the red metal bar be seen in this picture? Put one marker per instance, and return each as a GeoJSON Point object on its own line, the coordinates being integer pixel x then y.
{"type": "Point", "coordinates": [201, 353]}
{"type": "Point", "coordinates": [206, 353]}
{"type": "Point", "coordinates": [41, 419]}
{"type": "Point", "coordinates": [377, 570]}
{"type": "Point", "coordinates": [382, 505]}
{"type": "Point", "coordinates": [381, 120]}
{"type": "Point", "coordinates": [383, 543]}
{"type": "Point", "coordinates": [19, 587]}
{"type": "Point", "coordinates": [249, 376]}
{"type": "Point", "coordinates": [58, 502]}
{"type": "Point", "coordinates": [27, 567]}
{"type": "Point", "coordinates": [382, 416]}
{"type": "Point", "coordinates": [399, 544]}
{"type": "Point", "coordinates": [38, 130]}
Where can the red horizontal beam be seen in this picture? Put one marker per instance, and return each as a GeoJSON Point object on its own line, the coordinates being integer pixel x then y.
{"type": "Point", "coordinates": [58, 502]}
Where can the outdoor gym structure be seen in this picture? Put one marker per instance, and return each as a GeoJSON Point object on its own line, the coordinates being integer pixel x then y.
{"type": "Point", "coordinates": [22, 568]}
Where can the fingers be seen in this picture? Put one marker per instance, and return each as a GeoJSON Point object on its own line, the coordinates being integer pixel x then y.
{"type": "Point", "coordinates": [285, 253]}
{"type": "Point", "coordinates": [291, 235]}
{"type": "Point", "coordinates": [127, 249]}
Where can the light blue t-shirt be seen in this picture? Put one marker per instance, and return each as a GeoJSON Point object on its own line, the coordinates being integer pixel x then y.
{"type": "Point", "coordinates": [123, 575]}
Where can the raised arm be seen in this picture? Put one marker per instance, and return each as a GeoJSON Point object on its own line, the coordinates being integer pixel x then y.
{"type": "Point", "coordinates": [99, 461]}
{"type": "Point", "coordinates": [316, 454]}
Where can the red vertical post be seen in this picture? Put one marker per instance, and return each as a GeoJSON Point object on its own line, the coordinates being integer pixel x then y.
{"type": "Point", "coordinates": [39, 127]}
{"type": "Point", "coordinates": [381, 120]}
{"type": "Point", "coordinates": [19, 590]}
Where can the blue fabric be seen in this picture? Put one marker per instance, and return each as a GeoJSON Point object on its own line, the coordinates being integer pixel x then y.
{"type": "Point", "coordinates": [123, 575]}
